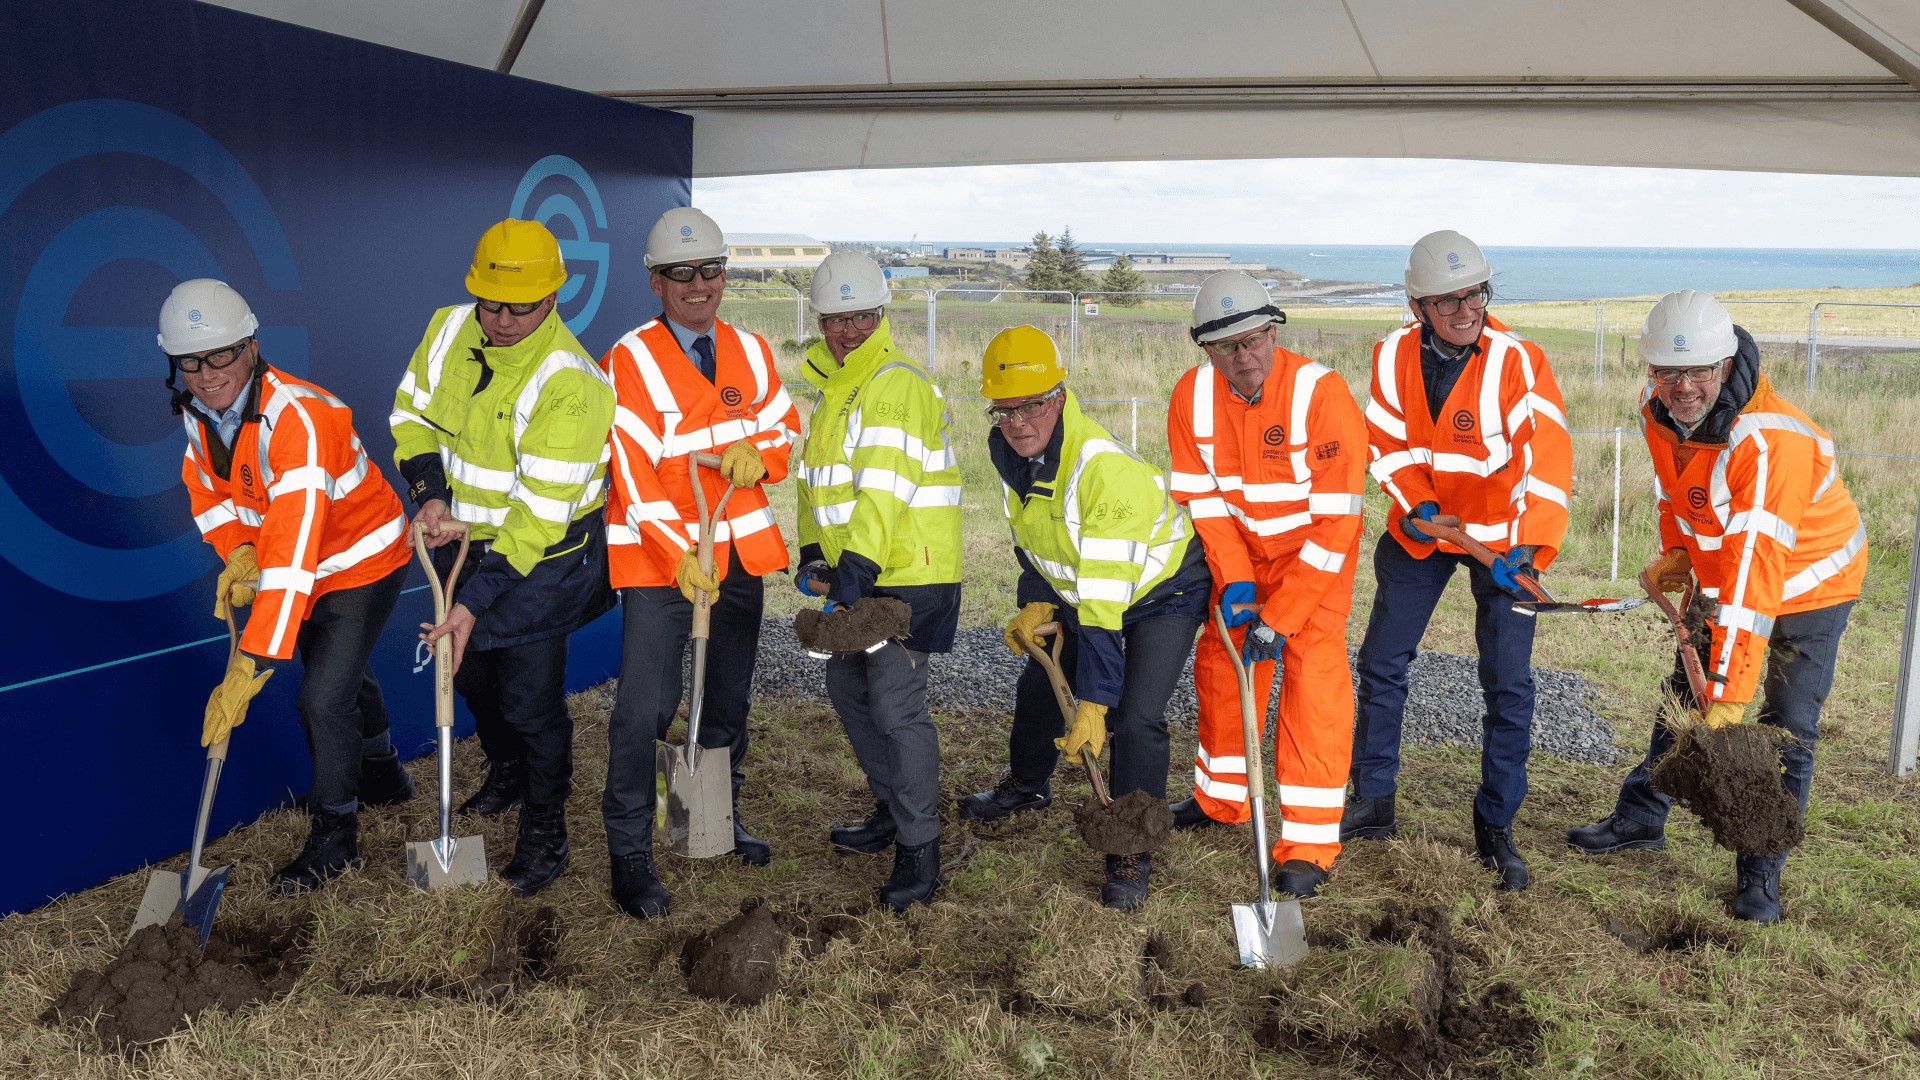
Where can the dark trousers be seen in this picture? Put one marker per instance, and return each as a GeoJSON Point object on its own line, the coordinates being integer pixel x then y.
{"type": "Point", "coordinates": [656, 623]}
{"type": "Point", "coordinates": [1406, 590]}
{"type": "Point", "coordinates": [518, 697]}
{"type": "Point", "coordinates": [882, 701]}
{"type": "Point", "coordinates": [1801, 654]}
{"type": "Point", "coordinates": [1157, 650]}
{"type": "Point", "coordinates": [340, 704]}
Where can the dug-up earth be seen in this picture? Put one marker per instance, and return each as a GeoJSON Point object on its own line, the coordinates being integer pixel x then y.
{"type": "Point", "coordinates": [1417, 966]}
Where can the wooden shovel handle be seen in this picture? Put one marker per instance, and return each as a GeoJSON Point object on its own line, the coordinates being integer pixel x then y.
{"type": "Point", "coordinates": [442, 604]}
{"type": "Point", "coordinates": [1689, 658]}
{"type": "Point", "coordinates": [702, 604]}
{"type": "Point", "coordinates": [1249, 726]}
{"type": "Point", "coordinates": [1049, 662]}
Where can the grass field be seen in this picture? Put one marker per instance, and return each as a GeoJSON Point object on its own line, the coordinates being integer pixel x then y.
{"type": "Point", "coordinates": [1626, 967]}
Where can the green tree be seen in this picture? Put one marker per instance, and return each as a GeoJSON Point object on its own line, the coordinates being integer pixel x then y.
{"type": "Point", "coordinates": [1072, 263]}
{"type": "Point", "coordinates": [799, 278]}
{"type": "Point", "coordinates": [1043, 264]}
{"type": "Point", "coordinates": [1122, 280]}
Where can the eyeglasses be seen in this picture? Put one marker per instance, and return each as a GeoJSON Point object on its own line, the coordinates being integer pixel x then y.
{"type": "Point", "coordinates": [1026, 410]}
{"type": "Point", "coordinates": [1698, 376]}
{"type": "Point", "coordinates": [217, 359]}
{"type": "Point", "coordinates": [859, 320]}
{"type": "Point", "coordinates": [1451, 305]}
{"type": "Point", "coordinates": [493, 307]}
{"type": "Point", "coordinates": [683, 272]}
{"type": "Point", "coordinates": [1223, 349]}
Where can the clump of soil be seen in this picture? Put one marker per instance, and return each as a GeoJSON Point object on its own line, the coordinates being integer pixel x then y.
{"type": "Point", "coordinates": [739, 960]}
{"type": "Point", "coordinates": [523, 950]}
{"type": "Point", "coordinates": [871, 620]}
{"type": "Point", "coordinates": [1134, 823]}
{"type": "Point", "coordinates": [1400, 996]}
{"type": "Point", "coordinates": [1730, 777]}
{"type": "Point", "coordinates": [162, 978]}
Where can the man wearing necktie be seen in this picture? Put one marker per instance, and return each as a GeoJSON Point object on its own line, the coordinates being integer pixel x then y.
{"type": "Point", "coordinates": [685, 384]}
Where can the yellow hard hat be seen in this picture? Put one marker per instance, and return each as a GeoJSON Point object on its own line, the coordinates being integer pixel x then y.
{"type": "Point", "coordinates": [1020, 361]}
{"type": "Point", "coordinates": [516, 262]}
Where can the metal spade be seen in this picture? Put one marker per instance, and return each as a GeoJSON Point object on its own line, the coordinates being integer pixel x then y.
{"type": "Point", "coordinates": [1268, 932]}
{"type": "Point", "coordinates": [444, 861]}
{"type": "Point", "coordinates": [697, 807]}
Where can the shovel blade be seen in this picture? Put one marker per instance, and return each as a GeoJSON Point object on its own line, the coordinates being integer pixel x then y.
{"type": "Point", "coordinates": [163, 900]}
{"type": "Point", "coordinates": [447, 862]}
{"type": "Point", "coordinates": [1269, 934]}
{"type": "Point", "coordinates": [698, 803]}
{"type": "Point", "coordinates": [1584, 607]}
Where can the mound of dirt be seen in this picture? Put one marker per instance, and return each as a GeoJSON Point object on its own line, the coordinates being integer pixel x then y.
{"type": "Point", "coordinates": [1136, 822]}
{"type": "Point", "coordinates": [1730, 777]}
{"type": "Point", "coordinates": [871, 619]}
{"type": "Point", "coordinates": [1427, 1023]}
{"type": "Point", "coordinates": [162, 978]}
{"type": "Point", "coordinates": [739, 960]}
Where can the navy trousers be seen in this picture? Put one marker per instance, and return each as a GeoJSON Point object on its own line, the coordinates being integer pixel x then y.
{"type": "Point", "coordinates": [340, 703]}
{"type": "Point", "coordinates": [1801, 654]}
{"type": "Point", "coordinates": [1406, 590]}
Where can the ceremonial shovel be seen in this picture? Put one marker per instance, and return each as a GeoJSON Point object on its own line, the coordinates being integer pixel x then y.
{"type": "Point", "coordinates": [444, 861]}
{"type": "Point", "coordinates": [1268, 932]}
{"type": "Point", "coordinates": [1543, 602]}
{"type": "Point", "coordinates": [697, 811]}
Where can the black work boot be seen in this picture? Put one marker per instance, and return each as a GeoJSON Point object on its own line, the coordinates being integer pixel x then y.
{"type": "Point", "coordinates": [1009, 796]}
{"type": "Point", "coordinates": [1615, 833]}
{"type": "Point", "coordinates": [332, 849]}
{"type": "Point", "coordinates": [1368, 819]}
{"type": "Point", "coordinates": [866, 836]}
{"type": "Point", "coordinates": [1757, 877]}
{"type": "Point", "coordinates": [540, 851]}
{"type": "Point", "coordinates": [383, 782]}
{"type": "Point", "coordinates": [1126, 886]}
{"type": "Point", "coordinates": [637, 888]}
{"type": "Point", "coordinates": [916, 874]}
{"type": "Point", "coordinates": [1298, 877]}
{"type": "Point", "coordinates": [747, 847]}
{"type": "Point", "coordinates": [1189, 814]}
{"type": "Point", "coordinates": [1494, 844]}
{"type": "Point", "coordinates": [505, 787]}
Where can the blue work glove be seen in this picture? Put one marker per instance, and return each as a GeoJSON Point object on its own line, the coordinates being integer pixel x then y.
{"type": "Point", "coordinates": [816, 571]}
{"type": "Point", "coordinates": [1237, 592]}
{"type": "Point", "coordinates": [1261, 645]}
{"type": "Point", "coordinates": [1426, 511]}
{"type": "Point", "coordinates": [1508, 570]}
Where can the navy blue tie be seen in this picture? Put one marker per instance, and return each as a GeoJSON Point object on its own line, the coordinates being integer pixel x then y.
{"type": "Point", "coordinates": [703, 356]}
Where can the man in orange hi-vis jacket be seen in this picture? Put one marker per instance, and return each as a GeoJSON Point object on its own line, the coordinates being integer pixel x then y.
{"type": "Point", "coordinates": [311, 536]}
{"type": "Point", "coordinates": [686, 383]}
{"type": "Point", "coordinates": [1752, 505]}
{"type": "Point", "coordinates": [1267, 451]}
{"type": "Point", "coordinates": [1464, 420]}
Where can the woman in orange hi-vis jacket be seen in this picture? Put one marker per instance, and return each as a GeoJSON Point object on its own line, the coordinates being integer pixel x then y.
{"type": "Point", "coordinates": [1267, 457]}
{"type": "Point", "coordinates": [686, 383]}
{"type": "Point", "coordinates": [1464, 420]}
{"type": "Point", "coordinates": [312, 537]}
{"type": "Point", "coordinates": [1752, 505]}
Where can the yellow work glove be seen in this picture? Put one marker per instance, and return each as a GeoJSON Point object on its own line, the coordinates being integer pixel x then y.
{"type": "Point", "coordinates": [227, 706]}
{"type": "Point", "coordinates": [1671, 571]}
{"type": "Point", "coordinates": [1089, 730]}
{"type": "Point", "coordinates": [741, 465]}
{"type": "Point", "coordinates": [1020, 628]}
{"type": "Point", "coordinates": [237, 582]}
{"type": "Point", "coordinates": [689, 577]}
{"type": "Point", "coordinates": [1723, 714]}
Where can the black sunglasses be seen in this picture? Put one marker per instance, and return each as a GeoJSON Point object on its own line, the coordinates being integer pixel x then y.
{"type": "Point", "coordinates": [683, 272]}
{"type": "Point", "coordinates": [492, 307]}
{"type": "Point", "coordinates": [226, 357]}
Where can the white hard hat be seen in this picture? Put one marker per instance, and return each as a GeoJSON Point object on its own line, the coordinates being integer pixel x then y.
{"type": "Point", "coordinates": [848, 281]}
{"type": "Point", "coordinates": [1231, 302]}
{"type": "Point", "coordinates": [1687, 329]}
{"type": "Point", "coordinates": [683, 235]}
{"type": "Point", "coordinates": [204, 314]}
{"type": "Point", "coordinates": [1443, 262]}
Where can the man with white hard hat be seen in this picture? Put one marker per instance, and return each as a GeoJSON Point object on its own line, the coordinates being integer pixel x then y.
{"type": "Point", "coordinates": [1268, 456]}
{"type": "Point", "coordinates": [879, 515]}
{"type": "Point", "coordinates": [1752, 506]}
{"type": "Point", "coordinates": [312, 537]}
{"type": "Point", "coordinates": [686, 383]}
{"type": "Point", "coordinates": [1465, 426]}
{"type": "Point", "coordinates": [500, 427]}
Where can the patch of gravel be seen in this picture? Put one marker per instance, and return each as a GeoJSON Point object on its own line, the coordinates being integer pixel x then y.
{"type": "Point", "coordinates": [1444, 704]}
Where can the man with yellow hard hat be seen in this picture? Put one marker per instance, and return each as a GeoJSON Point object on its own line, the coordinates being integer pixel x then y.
{"type": "Point", "coordinates": [500, 428]}
{"type": "Point", "coordinates": [1109, 557]}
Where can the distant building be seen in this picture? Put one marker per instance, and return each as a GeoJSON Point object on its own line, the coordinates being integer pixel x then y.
{"type": "Point", "coordinates": [773, 251]}
{"type": "Point", "coordinates": [893, 272]}
{"type": "Point", "coordinates": [1015, 257]}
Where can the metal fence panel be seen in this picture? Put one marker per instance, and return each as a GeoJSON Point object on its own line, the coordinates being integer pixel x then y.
{"type": "Point", "coordinates": [772, 311]}
{"type": "Point", "coordinates": [965, 318]}
{"type": "Point", "coordinates": [1860, 349]}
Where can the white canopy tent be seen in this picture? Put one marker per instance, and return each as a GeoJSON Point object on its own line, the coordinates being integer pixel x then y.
{"type": "Point", "coordinates": [1828, 86]}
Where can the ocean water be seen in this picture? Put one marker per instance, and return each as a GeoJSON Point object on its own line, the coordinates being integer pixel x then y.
{"type": "Point", "coordinates": [1582, 273]}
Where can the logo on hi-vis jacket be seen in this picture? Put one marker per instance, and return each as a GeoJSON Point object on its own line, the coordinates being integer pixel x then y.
{"type": "Point", "coordinates": [730, 396]}
{"type": "Point", "coordinates": [1463, 421]}
{"type": "Point", "coordinates": [1697, 498]}
{"type": "Point", "coordinates": [1275, 435]}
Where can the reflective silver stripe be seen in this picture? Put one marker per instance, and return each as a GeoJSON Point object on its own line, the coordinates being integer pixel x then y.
{"type": "Point", "coordinates": [736, 526]}
{"type": "Point", "coordinates": [1763, 523]}
{"type": "Point", "coordinates": [215, 516]}
{"type": "Point", "coordinates": [629, 423]}
{"type": "Point", "coordinates": [1321, 798]}
{"type": "Point", "coordinates": [556, 511]}
{"type": "Point", "coordinates": [1833, 564]}
{"type": "Point", "coordinates": [655, 510]}
{"type": "Point", "coordinates": [1224, 763]}
{"type": "Point", "coordinates": [286, 579]}
{"type": "Point", "coordinates": [1112, 589]}
{"type": "Point", "coordinates": [1300, 832]}
{"type": "Point", "coordinates": [1395, 427]}
{"type": "Point", "coordinates": [873, 479]}
{"type": "Point", "coordinates": [1186, 482]}
{"type": "Point", "coordinates": [478, 476]}
{"type": "Point", "coordinates": [1320, 558]}
{"type": "Point", "coordinates": [553, 364]}
{"type": "Point", "coordinates": [554, 470]}
{"type": "Point", "coordinates": [1203, 403]}
{"type": "Point", "coordinates": [827, 475]}
{"type": "Point", "coordinates": [1384, 376]}
{"type": "Point", "coordinates": [437, 352]}
{"type": "Point", "coordinates": [1388, 464]}
{"type": "Point", "coordinates": [863, 436]}
{"type": "Point", "coordinates": [1220, 789]}
{"type": "Point", "coordinates": [1333, 504]}
{"type": "Point", "coordinates": [302, 478]}
{"type": "Point", "coordinates": [248, 516]}
{"type": "Point", "coordinates": [1533, 485]}
{"type": "Point", "coordinates": [475, 514]}
{"type": "Point", "coordinates": [1108, 549]}
{"type": "Point", "coordinates": [833, 514]}
{"type": "Point", "coordinates": [364, 548]}
{"type": "Point", "coordinates": [1734, 617]}
{"type": "Point", "coordinates": [1211, 507]}
{"type": "Point", "coordinates": [936, 495]}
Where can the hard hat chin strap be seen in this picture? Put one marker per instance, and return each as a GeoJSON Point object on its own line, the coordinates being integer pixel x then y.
{"type": "Point", "coordinates": [1225, 321]}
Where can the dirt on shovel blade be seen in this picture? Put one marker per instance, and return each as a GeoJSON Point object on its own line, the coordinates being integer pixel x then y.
{"type": "Point", "coordinates": [1730, 777]}
{"type": "Point", "coordinates": [1136, 822]}
{"type": "Point", "coordinates": [738, 961]}
{"type": "Point", "coordinates": [161, 979]}
{"type": "Point", "coordinates": [869, 621]}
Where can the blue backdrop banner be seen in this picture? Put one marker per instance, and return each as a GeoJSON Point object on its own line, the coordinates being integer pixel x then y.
{"type": "Point", "coordinates": [340, 187]}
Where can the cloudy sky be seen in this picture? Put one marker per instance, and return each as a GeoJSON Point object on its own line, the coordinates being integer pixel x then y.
{"type": "Point", "coordinates": [1328, 201]}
